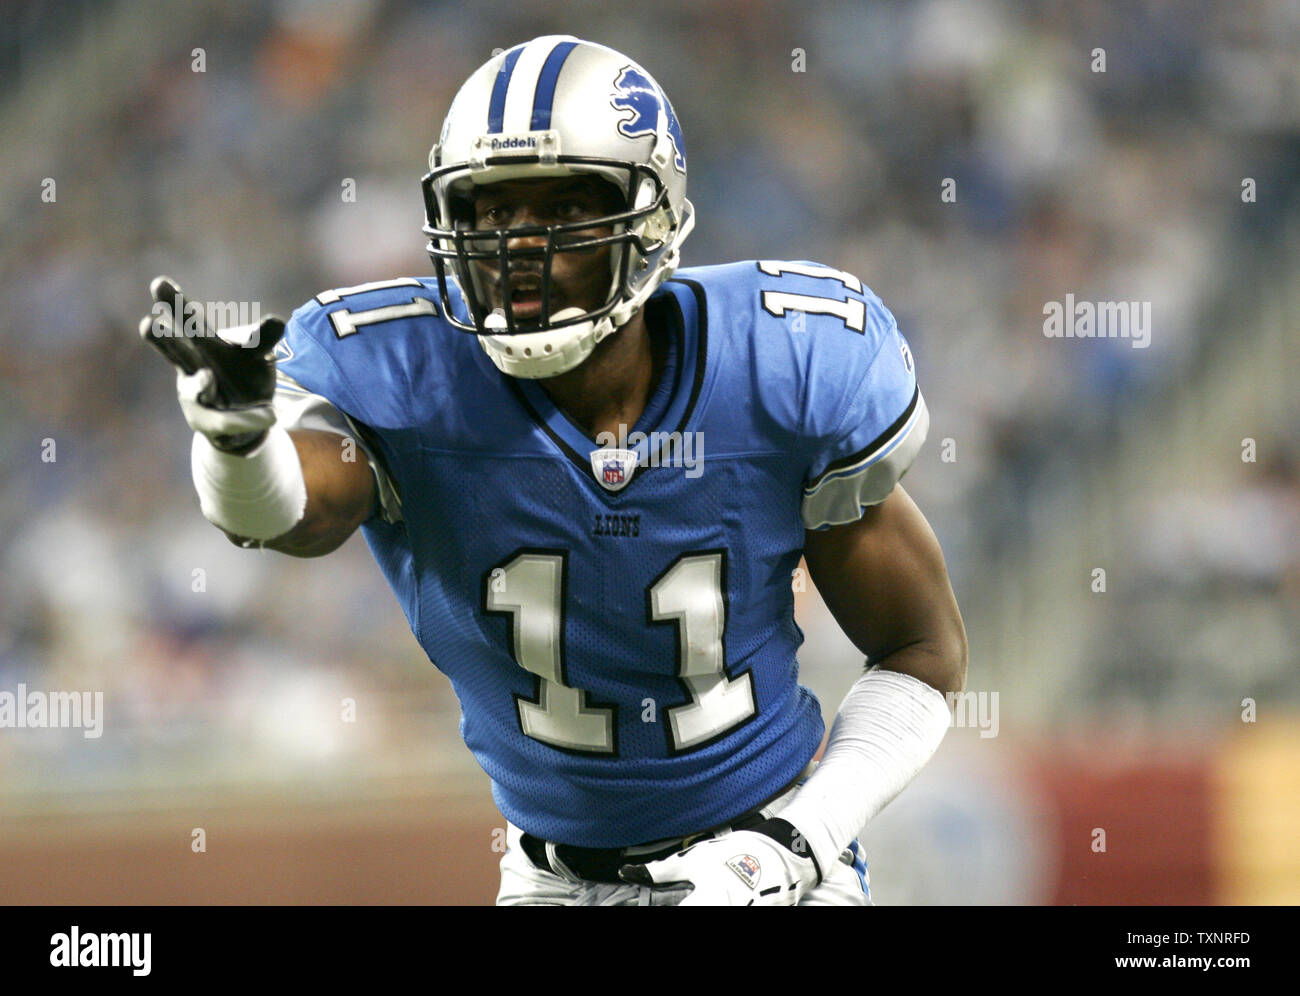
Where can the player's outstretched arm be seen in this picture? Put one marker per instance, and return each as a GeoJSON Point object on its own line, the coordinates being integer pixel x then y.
{"type": "Point", "coordinates": [341, 494]}
{"type": "Point", "coordinates": [256, 481]}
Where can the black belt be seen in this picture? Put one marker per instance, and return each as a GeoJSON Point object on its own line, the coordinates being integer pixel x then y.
{"type": "Point", "coordinates": [601, 864]}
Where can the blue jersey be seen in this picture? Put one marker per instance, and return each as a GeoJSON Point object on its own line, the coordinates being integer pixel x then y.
{"type": "Point", "coordinates": [616, 616]}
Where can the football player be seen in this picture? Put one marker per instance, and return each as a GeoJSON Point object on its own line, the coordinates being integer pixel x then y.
{"type": "Point", "coordinates": [588, 478]}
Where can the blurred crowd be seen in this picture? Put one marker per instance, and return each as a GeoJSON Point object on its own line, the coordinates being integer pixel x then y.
{"type": "Point", "coordinates": [822, 131]}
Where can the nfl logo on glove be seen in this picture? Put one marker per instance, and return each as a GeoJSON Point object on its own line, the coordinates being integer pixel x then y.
{"type": "Point", "coordinates": [746, 866]}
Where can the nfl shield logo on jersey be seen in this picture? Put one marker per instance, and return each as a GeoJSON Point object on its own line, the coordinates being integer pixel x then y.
{"type": "Point", "coordinates": [613, 468]}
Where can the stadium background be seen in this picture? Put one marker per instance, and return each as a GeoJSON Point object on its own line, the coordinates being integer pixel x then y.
{"type": "Point", "coordinates": [1119, 710]}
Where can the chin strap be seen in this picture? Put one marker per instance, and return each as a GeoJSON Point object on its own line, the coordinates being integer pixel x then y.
{"type": "Point", "coordinates": [536, 355]}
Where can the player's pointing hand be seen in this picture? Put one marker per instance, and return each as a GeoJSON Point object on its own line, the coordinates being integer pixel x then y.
{"type": "Point", "coordinates": [225, 382]}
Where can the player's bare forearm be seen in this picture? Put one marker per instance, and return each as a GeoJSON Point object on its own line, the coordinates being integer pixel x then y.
{"type": "Point", "coordinates": [340, 496]}
{"type": "Point", "coordinates": [885, 581]}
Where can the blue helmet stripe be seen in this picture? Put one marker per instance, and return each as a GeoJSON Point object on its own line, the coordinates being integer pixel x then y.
{"type": "Point", "coordinates": [545, 94]}
{"type": "Point", "coordinates": [497, 108]}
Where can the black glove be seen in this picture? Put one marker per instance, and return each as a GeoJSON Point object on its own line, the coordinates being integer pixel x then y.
{"type": "Point", "coordinates": [225, 389]}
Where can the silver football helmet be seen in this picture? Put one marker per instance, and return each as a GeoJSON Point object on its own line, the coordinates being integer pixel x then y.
{"type": "Point", "coordinates": [555, 107]}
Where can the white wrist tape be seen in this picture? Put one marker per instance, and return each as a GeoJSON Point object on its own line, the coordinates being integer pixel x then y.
{"type": "Point", "coordinates": [887, 729]}
{"type": "Point", "coordinates": [261, 495]}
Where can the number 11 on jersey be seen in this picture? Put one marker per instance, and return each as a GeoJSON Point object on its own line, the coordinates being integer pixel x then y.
{"type": "Point", "coordinates": [530, 588]}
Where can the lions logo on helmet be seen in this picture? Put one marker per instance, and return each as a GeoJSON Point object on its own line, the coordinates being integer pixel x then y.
{"type": "Point", "coordinates": [542, 110]}
{"type": "Point", "coordinates": [640, 96]}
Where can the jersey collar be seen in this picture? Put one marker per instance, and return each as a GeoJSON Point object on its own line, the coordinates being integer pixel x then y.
{"type": "Point", "coordinates": [671, 404]}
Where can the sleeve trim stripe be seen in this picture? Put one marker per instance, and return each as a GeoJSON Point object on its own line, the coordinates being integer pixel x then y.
{"type": "Point", "coordinates": [844, 499]}
{"type": "Point", "coordinates": [878, 449]}
{"type": "Point", "coordinates": [283, 382]}
{"type": "Point", "coordinates": [298, 408]}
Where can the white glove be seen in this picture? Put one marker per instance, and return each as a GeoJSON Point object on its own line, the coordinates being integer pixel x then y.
{"type": "Point", "coordinates": [197, 398]}
{"type": "Point", "coordinates": [759, 867]}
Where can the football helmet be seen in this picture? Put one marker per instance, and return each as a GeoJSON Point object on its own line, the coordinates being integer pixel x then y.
{"type": "Point", "coordinates": [553, 107]}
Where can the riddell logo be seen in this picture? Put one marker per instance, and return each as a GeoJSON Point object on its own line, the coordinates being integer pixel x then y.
{"type": "Point", "coordinates": [516, 142]}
